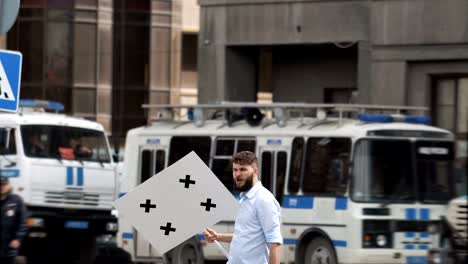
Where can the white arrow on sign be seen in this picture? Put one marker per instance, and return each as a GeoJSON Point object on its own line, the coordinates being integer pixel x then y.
{"type": "Point", "coordinates": [5, 87]}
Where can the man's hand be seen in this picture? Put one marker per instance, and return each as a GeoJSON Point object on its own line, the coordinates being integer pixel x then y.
{"type": "Point", "coordinates": [211, 235]}
{"type": "Point", "coordinates": [15, 244]}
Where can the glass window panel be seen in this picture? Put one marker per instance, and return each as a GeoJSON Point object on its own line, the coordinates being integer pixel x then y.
{"type": "Point", "coordinates": [30, 40]}
{"type": "Point", "coordinates": [58, 56]}
{"type": "Point", "coordinates": [462, 107]}
{"type": "Point", "coordinates": [297, 153]}
{"type": "Point", "coordinates": [146, 168]}
{"type": "Point", "coordinates": [30, 12]}
{"type": "Point", "coordinates": [181, 146]}
{"type": "Point", "coordinates": [446, 92]}
{"type": "Point", "coordinates": [132, 101]}
{"type": "Point", "coordinates": [60, 94]}
{"type": "Point", "coordinates": [84, 101]}
{"type": "Point", "coordinates": [86, 3]}
{"type": "Point", "coordinates": [326, 166]}
{"type": "Point", "coordinates": [248, 145]}
{"type": "Point", "coordinates": [281, 164]}
{"type": "Point", "coordinates": [31, 91]}
{"type": "Point", "coordinates": [160, 58]}
{"type": "Point", "coordinates": [88, 15]}
{"type": "Point", "coordinates": [222, 168]}
{"type": "Point", "coordinates": [160, 161]}
{"type": "Point", "coordinates": [162, 5]}
{"type": "Point", "coordinates": [32, 3]}
{"type": "Point", "coordinates": [61, 3]}
{"type": "Point", "coordinates": [445, 117]}
{"type": "Point", "coordinates": [85, 54]}
{"type": "Point", "coordinates": [224, 147]}
{"type": "Point", "coordinates": [105, 54]}
{"type": "Point", "coordinates": [60, 14]}
{"type": "Point", "coordinates": [104, 101]}
{"type": "Point", "coordinates": [266, 171]}
{"type": "Point", "coordinates": [162, 19]}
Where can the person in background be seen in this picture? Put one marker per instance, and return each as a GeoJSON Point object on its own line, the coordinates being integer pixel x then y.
{"type": "Point", "coordinates": [12, 222]}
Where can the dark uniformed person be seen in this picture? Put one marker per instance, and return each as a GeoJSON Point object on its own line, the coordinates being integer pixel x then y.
{"type": "Point", "coordinates": [12, 222]}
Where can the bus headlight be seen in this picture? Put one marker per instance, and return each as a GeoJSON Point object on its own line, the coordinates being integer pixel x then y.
{"type": "Point", "coordinates": [381, 240]}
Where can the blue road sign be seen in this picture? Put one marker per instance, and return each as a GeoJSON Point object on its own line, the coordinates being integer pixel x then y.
{"type": "Point", "coordinates": [10, 80]}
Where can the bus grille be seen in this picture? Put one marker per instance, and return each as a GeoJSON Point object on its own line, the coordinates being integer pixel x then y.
{"type": "Point", "coordinates": [74, 197]}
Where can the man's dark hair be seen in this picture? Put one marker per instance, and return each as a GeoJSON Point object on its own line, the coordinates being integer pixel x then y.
{"type": "Point", "coordinates": [245, 158]}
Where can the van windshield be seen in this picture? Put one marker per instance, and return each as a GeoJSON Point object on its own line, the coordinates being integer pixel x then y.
{"type": "Point", "coordinates": [61, 142]}
{"type": "Point", "coordinates": [388, 170]}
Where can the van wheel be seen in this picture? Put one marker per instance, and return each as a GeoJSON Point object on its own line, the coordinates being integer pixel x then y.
{"type": "Point", "coordinates": [320, 251]}
{"type": "Point", "coordinates": [188, 252]}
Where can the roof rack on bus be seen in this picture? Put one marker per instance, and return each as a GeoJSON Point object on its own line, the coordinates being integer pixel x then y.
{"type": "Point", "coordinates": [234, 111]}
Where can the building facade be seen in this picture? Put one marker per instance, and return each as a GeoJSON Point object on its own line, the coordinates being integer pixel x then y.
{"type": "Point", "coordinates": [393, 52]}
{"type": "Point", "coordinates": [103, 59]}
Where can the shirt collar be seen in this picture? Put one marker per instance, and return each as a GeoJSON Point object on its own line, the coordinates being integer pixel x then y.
{"type": "Point", "coordinates": [251, 193]}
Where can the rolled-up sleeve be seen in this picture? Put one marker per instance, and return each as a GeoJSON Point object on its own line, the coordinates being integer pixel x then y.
{"type": "Point", "coordinates": [269, 213]}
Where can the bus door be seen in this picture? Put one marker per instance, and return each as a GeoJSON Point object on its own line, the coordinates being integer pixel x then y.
{"type": "Point", "coordinates": [273, 167]}
{"type": "Point", "coordinates": [152, 160]}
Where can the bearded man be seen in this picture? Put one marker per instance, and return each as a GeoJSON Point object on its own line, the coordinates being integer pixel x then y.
{"type": "Point", "coordinates": [257, 235]}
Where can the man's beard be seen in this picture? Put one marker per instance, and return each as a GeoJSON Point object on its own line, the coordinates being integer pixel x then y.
{"type": "Point", "coordinates": [247, 184]}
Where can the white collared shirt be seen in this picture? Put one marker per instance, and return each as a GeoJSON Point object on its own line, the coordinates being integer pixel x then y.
{"type": "Point", "coordinates": [257, 226]}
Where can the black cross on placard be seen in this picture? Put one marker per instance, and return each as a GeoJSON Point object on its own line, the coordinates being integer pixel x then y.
{"type": "Point", "coordinates": [147, 205]}
{"type": "Point", "coordinates": [208, 204]}
{"type": "Point", "coordinates": [187, 181]}
{"type": "Point", "coordinates": [167, 229]}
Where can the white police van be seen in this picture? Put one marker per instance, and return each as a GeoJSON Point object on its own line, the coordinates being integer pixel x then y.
{"type": "Point", "coordinates": [62, 167]}
{"type": "Point", "coordinates": [357, 183]}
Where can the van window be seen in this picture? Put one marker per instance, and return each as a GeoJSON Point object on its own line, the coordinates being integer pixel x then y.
{"type": "Point", "coordinates": [222, 161]}
{"type": "Point", "coordinates": [295, 170]}
{"type": "Point", "coordinates": [326, 166]}
{"type": "Point", "coordinates": [61, 142]}
{"type": "Point", "coordinates": [181, 146]}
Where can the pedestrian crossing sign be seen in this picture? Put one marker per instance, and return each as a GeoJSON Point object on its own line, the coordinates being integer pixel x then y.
{"type": "Point", "coordinates": [10, 80]}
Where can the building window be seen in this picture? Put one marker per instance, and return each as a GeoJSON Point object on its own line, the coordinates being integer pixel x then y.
{"type": "Point", "coordinates": [450, 111]}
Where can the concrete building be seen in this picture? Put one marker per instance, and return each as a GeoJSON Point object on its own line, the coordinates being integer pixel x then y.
{"type": "Point", "coordinates": [397, 52]}
{"type": "Point", "coordinates": [103, 59]}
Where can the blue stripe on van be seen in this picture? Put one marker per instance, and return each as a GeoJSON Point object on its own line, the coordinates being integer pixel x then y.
{"type": "Point", "coordinates": [289, 241]}
{"type": "Point", "coordinates": [410, 214]}
{"type": "Point", "coordinates": [340, 243]}
{"type": "Point", "coordinates": [302, 202]}
{"type": "Point", "coordinates": [424, 214]}
{"type": "Point", "coordinates": [69, 176]}
{"type": "Point", "coordinates": [425, 247]}
{"type": "Point", "coordinates": [416, 260]}
{"type": "Point", "coordinates": [80, 179]}
{"type": "Point", "coordinates": [409, 246]}
{"type": "Point", "coordinates": [127, 235]}
{"type": "Point", "coordinates": [341, 203]}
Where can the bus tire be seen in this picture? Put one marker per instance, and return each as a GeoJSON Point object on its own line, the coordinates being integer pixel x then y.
{"type": "Point", "coordinates": [189, 252]}
{"type": "Point", "coordinates": [320, 251]}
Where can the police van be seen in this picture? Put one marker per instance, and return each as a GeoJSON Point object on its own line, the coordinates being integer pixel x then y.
{"type": "Point", "coordinates": [62, 167]}
{"type": "Point", "coordinates": [357, 183]}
